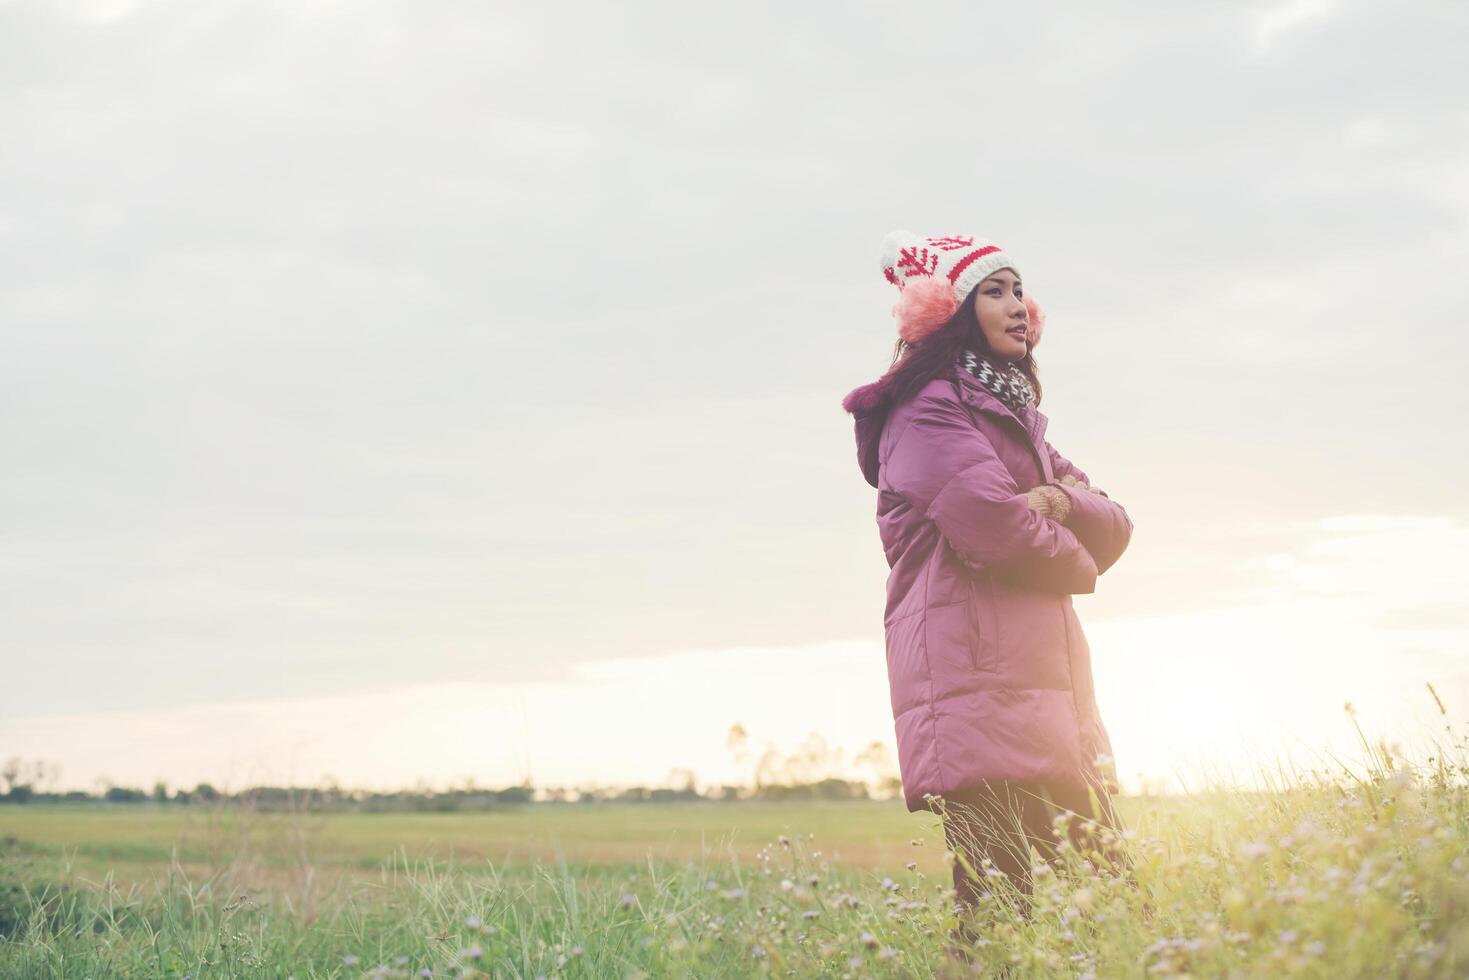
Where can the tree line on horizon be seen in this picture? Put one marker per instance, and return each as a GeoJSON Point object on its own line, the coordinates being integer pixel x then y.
{"type": "Point", "coordinates": [814, 771]}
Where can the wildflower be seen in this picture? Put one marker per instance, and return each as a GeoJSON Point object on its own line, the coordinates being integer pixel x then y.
{"type": "Point", "coordinates": [855, 963]}
{"type": "Point", "coordinates": [813, 880]}
{"type": "Point", "coordinates": [1316, 948]}
{"type": "Point", "coordinates": [889, 884]}
{"type": "Point", "coordinates": [786, 884]}
{"type": "Point", "coordinates": [425, 972]}
{"type": "Point", "coordinates": [886, 953]}
{"type": "Point", "coordinates": [733, 893]}
{"type": "Point", "coordinates": [784, 840]}
{"type": "Point", "coordinates": [1254, 849]}
{"type": "Point", "coordinates": [1287, 935]}
{"type": "Point", "coordinates": [473, 921]}
{"type": "Point", "coordinates": [351, 959]}
{"type": "Point", "coordinates": [628, 900]}
{"type": "Point", "coordinates": [474, 952]}
{"type": "Point", "coordinates": [912, 865]}
{"type": "Point", "coordinates": [400, 960]}
{"type": "Point", "coordinates": [868, 939]}
{"type": "Point", "coordinates": [758, 952]}
{"type": "Point", "coordinates": [809, 914]}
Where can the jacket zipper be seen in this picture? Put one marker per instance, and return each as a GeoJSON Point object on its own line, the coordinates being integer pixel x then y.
{"type": "Point", "coordinates": [1088, 744]}
{"type": "Point", "coordinates": [1007, 417]}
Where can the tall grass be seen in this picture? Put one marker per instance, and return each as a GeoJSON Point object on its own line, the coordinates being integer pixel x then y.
{"type": "Point", "coordinates": [1361, 874]}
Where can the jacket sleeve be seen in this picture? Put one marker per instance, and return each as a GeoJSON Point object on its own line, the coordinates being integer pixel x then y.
{"type": "Point", "coordinates": [1099, 522]}
{"type": "Point", "coordinates": [945, 468]}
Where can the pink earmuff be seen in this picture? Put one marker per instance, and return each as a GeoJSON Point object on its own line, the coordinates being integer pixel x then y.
{"type": "Point", "coordinates": [1037, 322]}
{"type": "Point", "coordinates": [923, 306]}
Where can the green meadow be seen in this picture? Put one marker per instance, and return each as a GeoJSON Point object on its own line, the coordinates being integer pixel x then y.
{"type": "Point", "coordinates": [1361, 874]}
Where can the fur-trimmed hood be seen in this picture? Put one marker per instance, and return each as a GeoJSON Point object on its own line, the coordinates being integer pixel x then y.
{"type": "Point", "coordinates": [869, 405]}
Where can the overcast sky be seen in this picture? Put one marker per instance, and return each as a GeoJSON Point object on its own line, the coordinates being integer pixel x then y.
{"type": "Point", "coordinates": [354, 349]}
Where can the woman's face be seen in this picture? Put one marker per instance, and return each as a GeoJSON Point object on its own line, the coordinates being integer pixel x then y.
{"type": "Point", "coordinates": [1000, 309]}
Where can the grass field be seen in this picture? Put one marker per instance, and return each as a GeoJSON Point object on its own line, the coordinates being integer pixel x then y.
{"type": "Point", "coordinates": [1367, 876]}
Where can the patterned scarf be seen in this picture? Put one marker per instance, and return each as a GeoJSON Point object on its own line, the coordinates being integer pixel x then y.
{"type": "Point", "coordinates": [1009, 384]}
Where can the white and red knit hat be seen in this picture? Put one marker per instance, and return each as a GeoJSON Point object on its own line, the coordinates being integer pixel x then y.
{"type": "Point", "coordinates": [935, 274]}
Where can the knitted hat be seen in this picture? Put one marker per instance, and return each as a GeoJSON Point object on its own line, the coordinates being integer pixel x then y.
{"type": "Point", "coordinates": [935, 274]}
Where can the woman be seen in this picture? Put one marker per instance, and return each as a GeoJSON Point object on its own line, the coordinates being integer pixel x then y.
{"type": "Point", "coordinates": [988, 532]}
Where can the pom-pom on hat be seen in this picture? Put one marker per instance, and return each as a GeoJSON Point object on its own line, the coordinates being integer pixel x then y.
{"type": "Point", "coordinates": [934, 274]}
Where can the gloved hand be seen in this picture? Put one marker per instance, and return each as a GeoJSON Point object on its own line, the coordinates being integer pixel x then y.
{"type": "Point", "coordinates": [1072, 481]}
{"type": "Point", "coordinates": [1049, 501]}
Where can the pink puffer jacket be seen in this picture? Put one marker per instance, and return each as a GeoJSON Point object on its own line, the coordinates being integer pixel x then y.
{"type": "Point", "coordinates": [989, 670]}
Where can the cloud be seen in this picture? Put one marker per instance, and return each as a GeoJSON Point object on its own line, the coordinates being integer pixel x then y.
{"type": "Point", "coordinates": [1284, 18]}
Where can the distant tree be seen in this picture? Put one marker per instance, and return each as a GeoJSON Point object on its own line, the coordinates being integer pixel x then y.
{"type": "Point", "coordinates": [10, 772]}
{"type": "Point", "coordinates": [769, 764]}
{"type": "Point", "coordinates": [515, 794]}
{"type": "Point", "coordinates": [812, 759]}
{"type": "Point", "coordinates": [840, 789]}
{"type": "Point", "coordinates": [683, 780]}
{"type": "Point", "coordinates": [877, 759]}
{"type": "Point", "coordinates": [160, 792]}
{"type": "Point", "coordinates": [205, 793]}
{"type": "Point", "coordinates": [22, 781]}
{"type": "Point", "coordinates": [738, 741]}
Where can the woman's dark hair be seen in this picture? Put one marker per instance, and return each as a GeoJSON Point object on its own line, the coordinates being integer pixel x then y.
{"type": "Point", "coordinates": [915, 366]}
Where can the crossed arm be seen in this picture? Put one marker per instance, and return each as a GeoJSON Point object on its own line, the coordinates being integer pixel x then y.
{"type": "Point", "coordinates": [1101, 523]}
{"type": "Point", "coordinates": [947, 470]}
